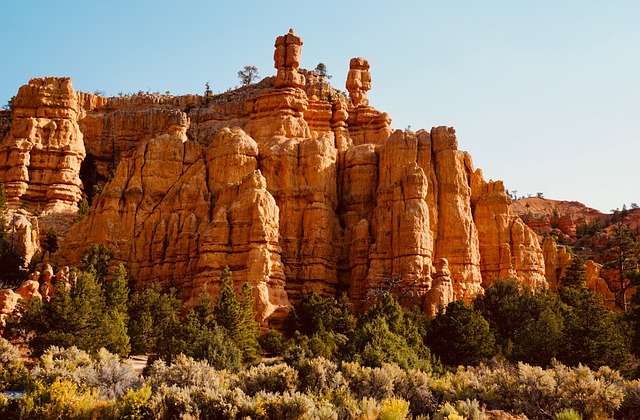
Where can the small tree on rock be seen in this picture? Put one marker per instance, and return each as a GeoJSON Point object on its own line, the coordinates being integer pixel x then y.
{"type": "Point", "coordinates": [248, 75]}
{"type": "Point", "coordinates": [321, 69]}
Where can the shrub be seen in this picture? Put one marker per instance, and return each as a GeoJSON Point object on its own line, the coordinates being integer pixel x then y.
{"type": "Point", "coordinates": [448, 412]}
{"type": "Point", "coordinates": [414, 387]}
{"type": "Point", "coordinates": [70, 364]}
{"type": "Point", "coordinates": [630, 407]}
{"type": "Point", "coordinates": [593, 394]}
{"type": "Point", "coordinates": [13, 374]}
{"type": "Point", "coordinates": [277, 378]}
{"type": "Point", "coordinates": [369, 409]}
{"type": "Point", "coordinates": [567, 414]}
{"type": "Point", "coordinates": [288, 406]}
{"type": "Point", "coordinates": [106, 373]}
{"type": "Point", "coordinates": [62, 399]}
{"type": "Point", "coordinates": [470, 409]}
{"type": "Point", "coordinates": [135, 404]}
{"type": "Point", "coordinates": [111, 376]}
{"type": "Point", "coordinates": [375, 383]}
{"type": "Point", "coordinates": [172, 402]}
{"type": "Point", "coordinates": [319, 375]}
{"type": "Point", "coordinates": [273, 342]}
{"type": "Point", "coordinates": [394, 409]}
{"type": "Point", "coordinates": [186, 372]}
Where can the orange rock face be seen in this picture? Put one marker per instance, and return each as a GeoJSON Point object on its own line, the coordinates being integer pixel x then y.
{"type": "Point", "coordinates": [297, 189]}
{"type": "Point", "coordinates": [41, 154]}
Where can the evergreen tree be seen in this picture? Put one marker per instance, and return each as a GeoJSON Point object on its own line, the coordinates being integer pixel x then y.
{"type": "Point", "coordinates": [623, 257]}
{"type": "Point", "coordinates": [237, 318]}
{"type": "Point", "coordinates": [51, 241]}
{"type": "Point", "coordinates": [247, 339]}
{"type": "Point", "coordinates": [592, 333]}
{"type": "Point", "coordinates": [194, 338]}
{"type": "Point", "coordinates": [152, 317]}
{"type": "Point", "coordinates": [117, 291]}
{"type": "Point", "coordinates": [76, 315]}
{"type": "Point", "coordinates": [98, 256]}
{"type": "Point", "coordinates": [316, 314]}
{"type": "Point", "coordinates": [508, 309]}
{"type": "Point", "coordinates": [575, 274]}
{"type": "Point", "coordinates": [388, 333]}
{"type": "Point", "coordinates": [228, 313]}
{"type": "Point", "coordinates": [460, 336]}
{"type": "Point", "coordinates": [541, 338]}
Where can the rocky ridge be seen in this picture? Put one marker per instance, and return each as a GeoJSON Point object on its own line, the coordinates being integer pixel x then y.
{"type": "Point", "coordinates": [561, 226]}
{"type": "Point", "coordinates": [292, 184]}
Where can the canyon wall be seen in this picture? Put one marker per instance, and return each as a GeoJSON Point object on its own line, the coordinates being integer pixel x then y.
{"type": "Point", "coordinates": [292, 184]}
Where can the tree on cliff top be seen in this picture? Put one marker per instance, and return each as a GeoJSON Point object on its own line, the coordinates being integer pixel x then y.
{"type": "Point", "coordinates": [321, 69]}
{"type": "Point", "coordinates": [248, 75]}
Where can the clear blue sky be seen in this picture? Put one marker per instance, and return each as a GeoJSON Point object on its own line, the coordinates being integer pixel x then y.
{"type": "Point", "coordinates": [545, 95]}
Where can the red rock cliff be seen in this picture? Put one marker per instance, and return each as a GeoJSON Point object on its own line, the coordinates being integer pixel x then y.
{"type": "Point", "coordinates": [294, 186]}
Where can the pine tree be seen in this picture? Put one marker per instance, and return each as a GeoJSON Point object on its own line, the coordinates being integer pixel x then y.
{"type": "Point", "coordinates": [51, 241]}
{"type": "Point", "coordinates": [623, 257]}
{"type": "Point", "coordinates": [228, 313]}
{"type": "Point", "coordinates": [237, 318]}
{"type": "Point", "coordinates": [248, 332]}
{"type": "Point", "coordinates": [575, 275]}
{"type": "Point", "coordinates": [592, 335]}
{"type": "Point", "coordinates": [76, 315]}
{"type": "Point", "coordinates": [116, 291]}
{"type": "Point", "coordinates": [98, 256]}
{"type": "Point", "coordinates": [461, 336]}
{"type": "Point", "coordinates": [152, 315]}
{"type": "Point", "coordinates": [508, 309]}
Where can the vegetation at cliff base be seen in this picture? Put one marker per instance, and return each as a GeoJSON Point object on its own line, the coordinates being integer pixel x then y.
{"type": "Point", "coordinates": [538, 353]}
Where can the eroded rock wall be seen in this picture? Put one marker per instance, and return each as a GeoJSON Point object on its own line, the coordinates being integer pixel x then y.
{"type": "Point", "coordinates": [294, 186]}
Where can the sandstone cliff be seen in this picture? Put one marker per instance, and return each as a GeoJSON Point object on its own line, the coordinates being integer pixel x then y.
{"type": "Point", "coordinates": [293, 185]}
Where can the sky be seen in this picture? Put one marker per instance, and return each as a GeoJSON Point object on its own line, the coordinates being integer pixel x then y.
{"type": "Point", "coordinates": [544, 95]}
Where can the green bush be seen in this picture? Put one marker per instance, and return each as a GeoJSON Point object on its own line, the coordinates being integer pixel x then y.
{"type": "Point", "coordinates": [273, 342]}
{"type": "Point", "coordinates": [135, 404]}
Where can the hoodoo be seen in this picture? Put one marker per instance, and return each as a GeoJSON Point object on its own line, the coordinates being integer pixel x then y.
{"type": "Point", "coordinates": [292, 184]}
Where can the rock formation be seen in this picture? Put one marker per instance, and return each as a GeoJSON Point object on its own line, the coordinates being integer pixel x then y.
{"type": "Point", "coordinates": [294, 186]}
{"type": "Point", "coordinates": [441, 292]}
{"type": "Point", "coordinates": [40, 156]}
